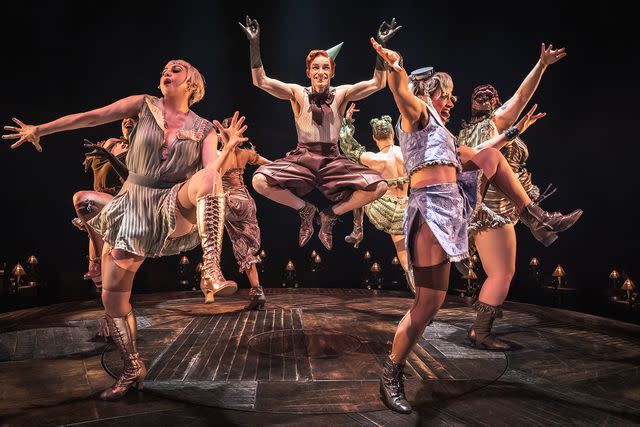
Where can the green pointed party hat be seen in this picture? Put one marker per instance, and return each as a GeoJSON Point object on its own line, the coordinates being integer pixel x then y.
{"type": "Point", "coordinates": [333, 52]}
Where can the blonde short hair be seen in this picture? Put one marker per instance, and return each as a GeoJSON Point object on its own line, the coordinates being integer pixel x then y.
{"type": "Point", "coordinates": [194, 80]}
{"type": "Point", "coordinates": [428, 87]}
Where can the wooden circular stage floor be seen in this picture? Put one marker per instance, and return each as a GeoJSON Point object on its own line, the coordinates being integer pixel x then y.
{"type": "Point", "coordinates": [313, 357]}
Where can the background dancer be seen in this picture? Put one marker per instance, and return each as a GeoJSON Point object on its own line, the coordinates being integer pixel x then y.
{"type": "Point", "coordinates": [106, 161]}
{"type": "Point", "coordinates": [240, 218]}
{"type": "Point", "coordinates": [492, 228]}
{"type": "Point", "coordinates": [387, 212]}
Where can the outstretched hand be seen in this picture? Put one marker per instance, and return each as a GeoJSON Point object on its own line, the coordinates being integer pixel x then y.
{"type": "Point", "coordinates": [251, 29]}
{"type": "Point", "coordinates": [550, 55]}
{"type": "Point", "coordinates": [392, 57]}
{"type": "Point", "coordinates": [22, 134]}
{"type": "Point", "coordinates": [232, 136]}
{"type": "Point", "coordinates": [387, 31]}
{"type": "Point", "coordinates": [529, 119]}
{"type": "Point", "coordinates": [352, 109]}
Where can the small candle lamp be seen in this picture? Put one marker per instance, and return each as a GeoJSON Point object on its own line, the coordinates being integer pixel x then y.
{"type": "Point", "coordinates": [535, 274]}
{"type": "Point", "coordinates": [317, 260]}
{"type": "Point", "coordinates": [197, 272]}
{"type": "Point", "coordinates": [17, 273]}
{"type": "Point", "coordinates": [289, 277]}
{"type": "Point", "coordinates": [183, 267]}
{"type": "Point", "coordinates": [559, 274]}
{"type": "Point", "coordinates": [628, 286]}
{"type": "Point", "coordinates": [262, 255]}
{"type": "Point", "coordinates": [614, 278]}
{"type": "Point", "coordinates": [32, 270]}
{"type": "Point", "coordinates": [470, 277]}
{"type": "Point", "coordinates": [376, 277]}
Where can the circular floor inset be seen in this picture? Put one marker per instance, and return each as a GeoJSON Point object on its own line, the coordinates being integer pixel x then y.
{"type": "Point", "coordinates": [293, 343]}
{"type": "Point", "coordinates": [294, 359]}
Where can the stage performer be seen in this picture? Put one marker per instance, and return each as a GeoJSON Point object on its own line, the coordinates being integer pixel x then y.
{"type": "Point", "coordinates": [444, 195]}
{"type": "Point", "coordinates": [316, 162]}
{"type": "Point", "coordinates": [106, 161]}
{"type": "Point", "coordinates": [387, 212]}
{"type": "Point", "coordinates": [491, 230]}
{"type": "Point", "coordinates": [170, 202]}
{"type": "Point", "coordinates": [240, 218]}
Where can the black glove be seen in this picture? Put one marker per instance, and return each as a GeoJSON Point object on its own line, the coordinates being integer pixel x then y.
{"type": "Point", "coordinates": [252, 31]}
{"type": "Point", "coordinates": [99, 152]}
{"type": "Point", "coordinates": [385, 33]}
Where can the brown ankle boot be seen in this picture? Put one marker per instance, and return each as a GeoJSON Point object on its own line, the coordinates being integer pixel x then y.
{"type": "Point", "coordinates": [307, 214]}
{"type": "Point", "coordinates": [480, 332]}
{"type": "Point", "coordinates": [257, 299]}
{"type": "Point", "coordinates": [327, 220]}
{"type": "Point", "coordinates": [544, 225]}
{"type": "Point", "coordinates": [358, 232]}
{"type": "Point", "coordinates": [123, 333]}
{"type": "Point", "coordinates": [210, 219]}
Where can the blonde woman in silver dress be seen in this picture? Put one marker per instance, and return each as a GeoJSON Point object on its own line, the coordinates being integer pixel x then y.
{"type": "Point", "coordinates": [168, 204]}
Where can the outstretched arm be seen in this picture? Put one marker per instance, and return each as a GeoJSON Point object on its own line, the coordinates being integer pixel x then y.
{"type": "Point", "coordinates": [365, 88]}
{"type": "Point", "coordinates": [272, 86]}
{"type": "Point", "coordinates": [125, 107]}
{"type": "Point", "coordinates": [409, 105]}
{"type": "Point", "coordinates": [510, 134]}
{"type": "Point", "coordinates": [509, 112]}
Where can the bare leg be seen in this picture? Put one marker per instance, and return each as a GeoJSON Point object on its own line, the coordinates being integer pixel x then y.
{"type": "Point", "coordinates": [276, 193]}
{"type": "Point", "coordinates": [431, 272]}
{"type": "Point", "coordinates": [495, 168]}
{"type": "Point", "coordinates": [87, 205]}
{"type": "Point", "coordinates": [252, 275]}
{"type": "Point", "coordinates": [497, 249]}
{"type": "Point", "coordinates": [431, 290]}
{"type": "Point", "coordinates": [401, 250]}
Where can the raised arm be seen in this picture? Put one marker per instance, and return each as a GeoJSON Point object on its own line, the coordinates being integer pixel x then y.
{"type": "Point", "coordinates": [365, 88]}
{"type": "Point", "coordinates": [351, 148]}
{"type": "Point", "coordinates": [231, 136]}
{"type": "Point", "coordinates": [274, 87]}
{"type": "Point", "coordinates": [409, 105]}
{"type": "Point", "coordinates": [125, 107]}
{"type": "Point", "coordinates": [510, 134]}
{"type": "Point", "coordinates": [509, 112]}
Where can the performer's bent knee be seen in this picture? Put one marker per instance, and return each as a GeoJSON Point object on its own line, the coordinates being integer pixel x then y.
{"type": "Point", "coordinates": [260, 183]}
